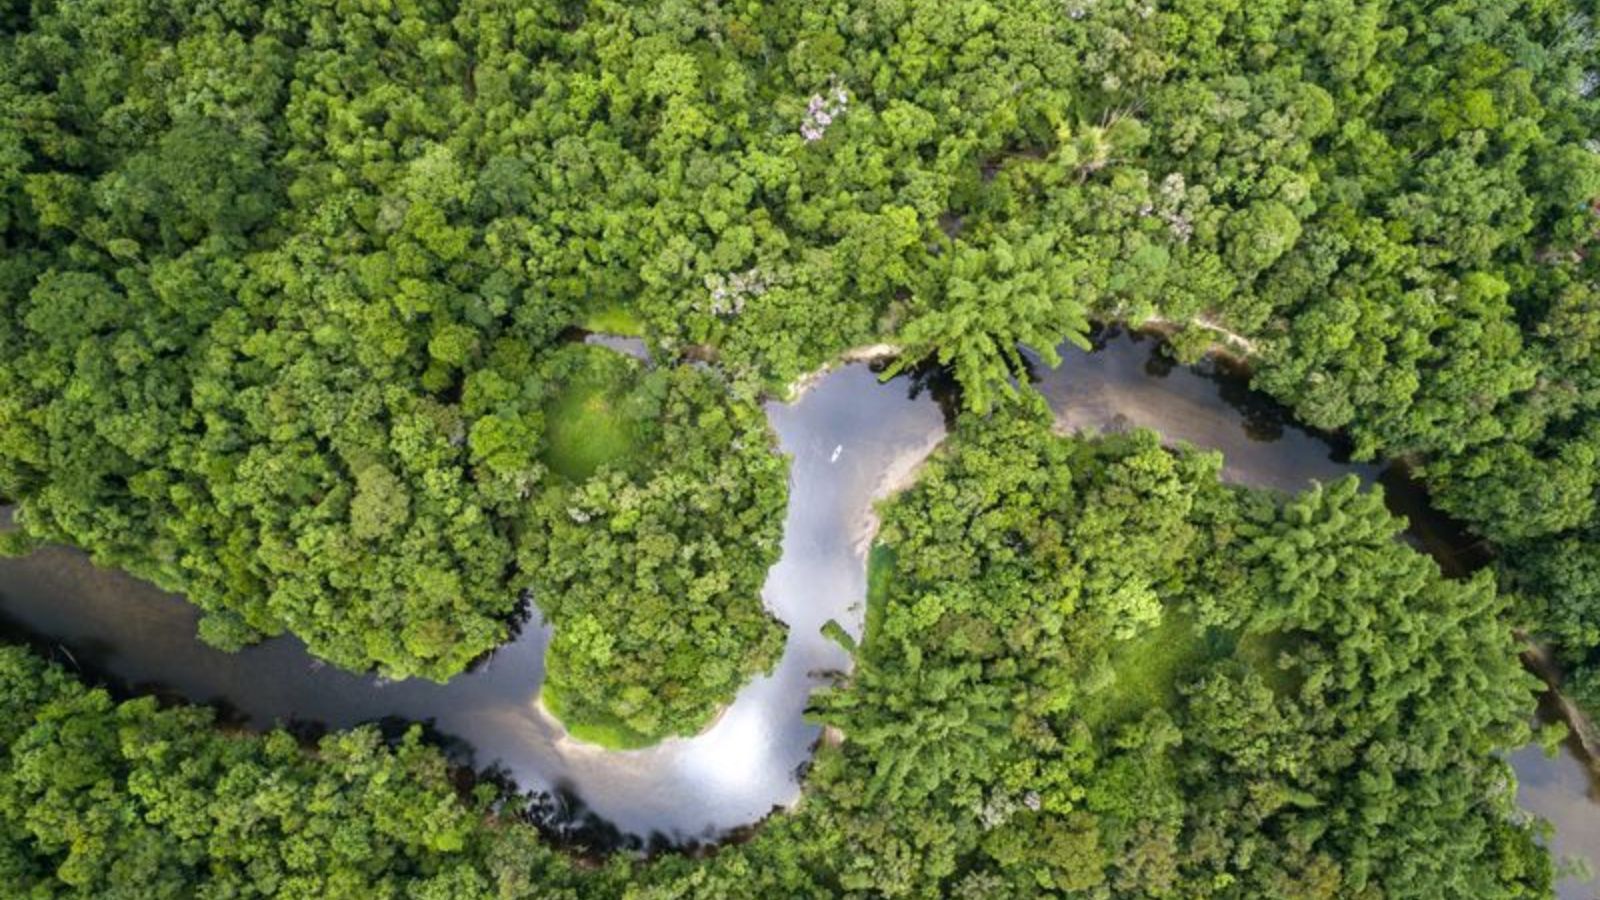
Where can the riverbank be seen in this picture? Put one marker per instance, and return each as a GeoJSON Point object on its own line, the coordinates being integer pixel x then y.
{"type": "Point", "coordinates": [853, 439]}
{"type": "Point", "coordinates": [1240, 354]}
{"type": "Point", "coordinates": [1232, 345]}
{"type": "Point", "coordinates": [842, 435]}
{"type": "Point", "coordinates": [866, 353]}
{"type": "Point", "coordinates": [1539, 660]}
{"type": "Point", "coordinates": [607, 734]}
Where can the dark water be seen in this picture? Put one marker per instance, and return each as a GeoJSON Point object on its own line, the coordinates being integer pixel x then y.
{"type": "Point", "coordinates": [1129, 383]}
{"type": "Point", "coordinates": [631, 346]}
{"type": "Point", "coordinates": [847, 437]}
{"type": "Point", "coordinates": [852, 440]}
{"type": "Point", "coordinates": [1563, 790]}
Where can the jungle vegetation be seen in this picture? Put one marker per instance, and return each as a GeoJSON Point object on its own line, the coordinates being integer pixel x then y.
{"type": "Point", "coordinates": [283, 290]}
{"type": "Point", "coordinates": [648, 546]}
{"type": "Point", "coordinates": [1095, 671]}
{"type": "Point", "coordinates": [262, 261]}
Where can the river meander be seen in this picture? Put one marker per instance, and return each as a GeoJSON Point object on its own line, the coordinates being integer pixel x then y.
{"type": "Point", "coordinates": [852, 440]}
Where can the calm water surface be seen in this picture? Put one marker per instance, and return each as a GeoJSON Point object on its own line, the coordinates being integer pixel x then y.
{"type": "Point", "coordinates": [1128, 383]}
{"type": "Point", "coordinates": [848, 436]}
{"type": "Point", "coordinates": [852, 440]}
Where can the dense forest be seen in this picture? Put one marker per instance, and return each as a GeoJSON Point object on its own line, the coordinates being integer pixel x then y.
{"type": "Point", "coordinates": [649, 547]}
{"type": "Point", "coordinates": [1094, 670]}
{"type": "Point", "coordinates": [276, 275]}
{"type": "Point", "coordinates": [286, 298]}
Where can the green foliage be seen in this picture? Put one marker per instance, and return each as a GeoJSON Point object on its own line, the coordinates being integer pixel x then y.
{"type": "Point", "coordinates": [990, 301]}
{"type": "Point", "coordinates": [16, 543]}
{"type": "Point", "coordinates": [593, 725]}
{"type": "Point", "coordinates": [880, 580]}
{"type": "Point", "coordinates": [107, 799]}
{"type": "Point", "coordinates": [1095, 669]}
{"type": "Point", "coordinates": [614, 320]}
{"type": "Point", "coordinates": [650, 565]}
{"type": "Point", "coordinates": [1147, 670]}
{"type": "Point", "coordinates": [281, 286]}
{"type": "Point", "coordinates": [595, 417]}
{"type": "Point", "coordinates": [1561, 578]}
{"type": "Point", "coordinates": [254, 256]}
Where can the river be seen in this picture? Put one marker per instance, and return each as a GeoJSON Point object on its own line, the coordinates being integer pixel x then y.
{"type": "Point", "coordinates": [852, 440]}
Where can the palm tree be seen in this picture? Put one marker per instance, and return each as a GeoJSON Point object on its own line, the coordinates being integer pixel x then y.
{"type": "Point", "coordinates": [995, 298]}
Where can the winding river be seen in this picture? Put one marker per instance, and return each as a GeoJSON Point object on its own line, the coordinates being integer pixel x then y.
{"type": "Point", "coordinates": [853, 440]}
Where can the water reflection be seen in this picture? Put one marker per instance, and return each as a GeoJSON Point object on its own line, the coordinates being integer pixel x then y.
{"type": "Point", "coordinates": [847, 437]}
{"type": "Point", "coordinates": [852, 439]}
{"type": "Point", "coordinates": [1127, 382]}
{"type": "Point", "coordinates": [1564, 790]}
{"type": "Point", "coordinates": [1130, 382]}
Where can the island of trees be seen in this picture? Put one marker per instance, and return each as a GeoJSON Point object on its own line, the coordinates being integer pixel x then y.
{"type": "Point", "coordinates": [286, 292]}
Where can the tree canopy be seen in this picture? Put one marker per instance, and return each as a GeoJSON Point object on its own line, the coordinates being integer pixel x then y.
{"type": "Point", "coordinates": [650, 565]}
{"type": "Point", "coordinates": [283, 295]}
{"type": "Point", "coordinates": [1093, 670]}
{"type": "Point", "coordinates": [264, 263]}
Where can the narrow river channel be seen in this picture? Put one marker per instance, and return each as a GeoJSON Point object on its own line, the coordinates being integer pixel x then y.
{"type": "Point", "coordinates": [853, 440]}
{"type": "Point", "coordinates": [1127, 383]}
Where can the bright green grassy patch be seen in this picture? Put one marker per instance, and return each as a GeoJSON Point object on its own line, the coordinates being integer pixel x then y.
{"type": "Point", "coordinates": [1261, 652]}
{"type": "Point", "coordinates": [586, 431]}
{"type": "Point", "coordinates": [880, 577]}
{"type": "Point", "coordinates": [1147, 671]}
{"type": "Point", "coordinates": [1150, 667]}
{"type": "Point", "coordinates": [604, 731]}
{"type": "Point", "coordinates": [614, 320]}
{"type": "Point", "coordinates": [591, 421]}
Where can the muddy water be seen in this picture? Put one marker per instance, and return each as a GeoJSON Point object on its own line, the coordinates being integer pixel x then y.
{"type": "Point", "coordinates": [852, 440]}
